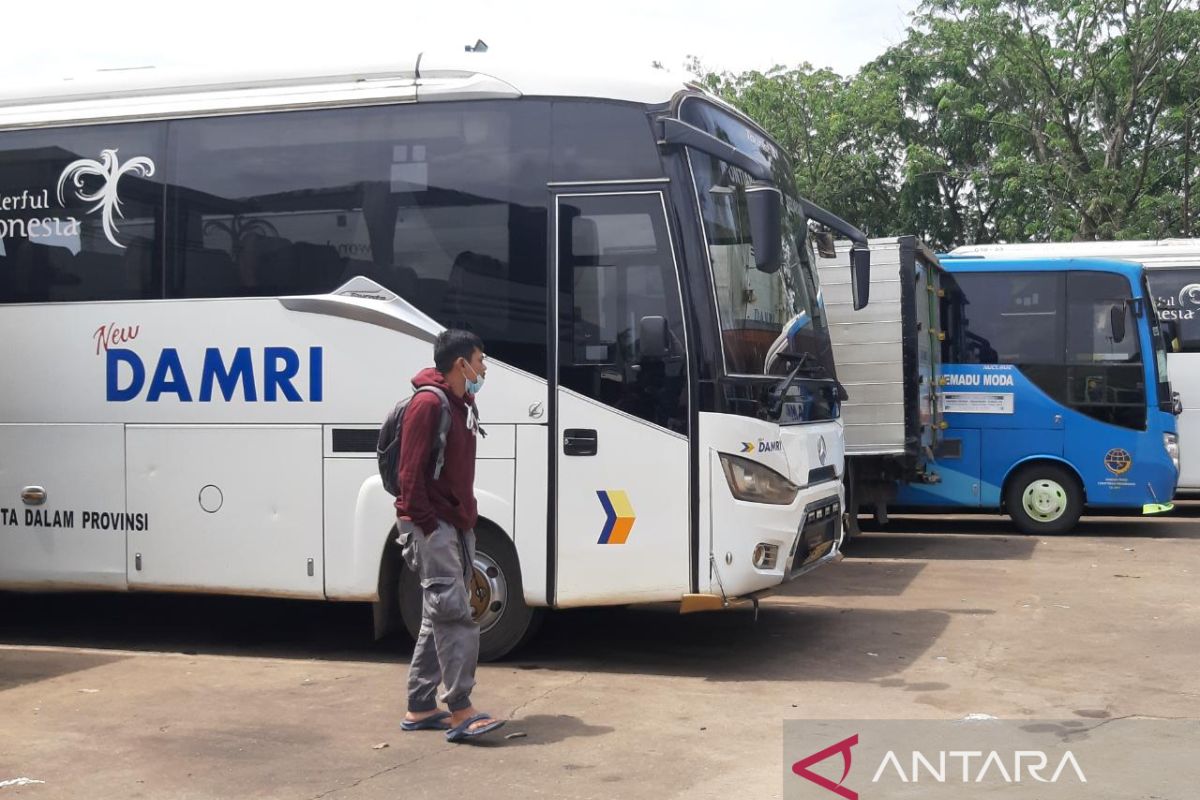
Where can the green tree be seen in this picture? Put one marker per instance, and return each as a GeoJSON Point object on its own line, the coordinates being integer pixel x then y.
{"type": "Point", "coordinates": [1008, 120]}
{"type": "Point", "coordinates": [1083, 92]}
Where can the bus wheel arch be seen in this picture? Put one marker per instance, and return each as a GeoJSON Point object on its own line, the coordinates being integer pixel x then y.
{"type": "Point", "coordinates": [497, 595]}
{"type": "Point", "coordinates": [1043, 496]}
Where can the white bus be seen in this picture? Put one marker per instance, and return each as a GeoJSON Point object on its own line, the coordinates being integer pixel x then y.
{"type": "Point", "coordinates": [212, 290]}
{"type": "Point", "coordinates": [1173, 274]}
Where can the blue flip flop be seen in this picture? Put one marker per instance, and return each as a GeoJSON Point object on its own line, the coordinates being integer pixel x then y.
{"type": "Point", "coordinates": [434, 722]}
{"type": "Point", "coordinates": [462, 732]}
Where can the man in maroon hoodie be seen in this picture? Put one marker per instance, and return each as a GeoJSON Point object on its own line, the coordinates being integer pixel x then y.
{"type": "Point", "coordinates": [437, 517]}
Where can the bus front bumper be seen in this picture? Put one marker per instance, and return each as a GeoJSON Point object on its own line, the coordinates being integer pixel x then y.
{"type": "Point", "coordinates": [767, 560]}
{"type": "Point", "coordinates": [693, 603]}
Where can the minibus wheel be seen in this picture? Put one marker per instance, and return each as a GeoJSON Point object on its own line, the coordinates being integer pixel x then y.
{"type": "Point", "coordinates": [1044, 499]}
{"type": "Point", "coordinates": [497, 598]}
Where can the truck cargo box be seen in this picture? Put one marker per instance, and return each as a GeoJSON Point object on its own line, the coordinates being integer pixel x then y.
{"type": "Point", "coordinates": [888, 355]}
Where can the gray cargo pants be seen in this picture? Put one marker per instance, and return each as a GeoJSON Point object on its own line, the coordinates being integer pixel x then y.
{"type": "Point", "coordinates": [447, 648]}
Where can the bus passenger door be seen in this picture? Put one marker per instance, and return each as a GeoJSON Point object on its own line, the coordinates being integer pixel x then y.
{"type": "Point", "coordinates": [1106, 385]}
{"type": "Point", "coordinates": [622, 500]}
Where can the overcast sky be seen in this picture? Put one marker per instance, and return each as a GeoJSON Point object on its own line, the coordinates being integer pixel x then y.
{"type": "Point", "coordinates": [69, 37]}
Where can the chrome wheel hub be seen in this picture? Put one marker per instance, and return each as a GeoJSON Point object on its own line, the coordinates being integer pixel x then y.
{"type": "Point", "coordinates": [488, 592]}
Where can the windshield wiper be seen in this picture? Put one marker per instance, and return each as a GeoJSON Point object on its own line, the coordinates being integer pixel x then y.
{"type": "Point", "coordinates": [777, 394]}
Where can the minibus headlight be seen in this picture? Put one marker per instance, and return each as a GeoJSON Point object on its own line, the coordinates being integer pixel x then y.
{"type": "Point", "coordinates": [1171, 445]}
{"type": "Point", "coordinates": [755, 483]}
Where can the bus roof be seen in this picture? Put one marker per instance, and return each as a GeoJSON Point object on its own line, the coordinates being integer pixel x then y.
{"type": "Point", "coordinates": [957, 263]}
{"type": "Point", "coordinates": [151, 93]}
{"type": "Point", "coordinates": [1149, 252]}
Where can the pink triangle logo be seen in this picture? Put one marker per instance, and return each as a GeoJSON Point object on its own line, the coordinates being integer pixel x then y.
{"type": "Point", "coordinates": [801, 768]}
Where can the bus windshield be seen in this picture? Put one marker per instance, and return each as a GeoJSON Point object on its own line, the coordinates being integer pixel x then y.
{"type": "Point", "coordinates": [756, 308]}
{"type": "Point", "coordinates": [761, 314]}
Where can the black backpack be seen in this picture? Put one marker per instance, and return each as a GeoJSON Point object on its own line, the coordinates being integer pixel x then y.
{"type": "Point", "coordinates": [387, 449]}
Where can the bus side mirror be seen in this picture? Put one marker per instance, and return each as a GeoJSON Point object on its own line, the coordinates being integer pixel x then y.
{"type": "Point", "coordinates": [860, 275]}
{"type": "Point", "coordinates": [1116, 323]}
{"type": "Point", "coordinates": [654, 342]}
{"type": "Point", "coordinates": [765, 205]}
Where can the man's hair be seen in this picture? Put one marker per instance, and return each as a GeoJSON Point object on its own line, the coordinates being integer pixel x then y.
{"type": "Point", "coordinates": [451, 345]}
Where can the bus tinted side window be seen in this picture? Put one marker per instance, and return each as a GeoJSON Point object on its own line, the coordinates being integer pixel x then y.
{"type": "Point", "coordinates": [597, 140]}
{"type": "Point", "coordinates": [1177, 295]}
{"type": "Point", "coordinates": [1006, 318]}
{"type": "Point", "coordinates": [443, 204]}
{"type": "Point", "coordinates": [81, 213]}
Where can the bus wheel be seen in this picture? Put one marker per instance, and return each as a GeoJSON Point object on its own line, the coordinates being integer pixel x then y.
{"type": "Point", "coordinates": [496, 595]}
{"type": "Point", "coordinates": [1044, 499]}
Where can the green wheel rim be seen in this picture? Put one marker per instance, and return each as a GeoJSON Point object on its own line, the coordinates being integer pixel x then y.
{"type": "Point", "coordinates": [1045, 500]}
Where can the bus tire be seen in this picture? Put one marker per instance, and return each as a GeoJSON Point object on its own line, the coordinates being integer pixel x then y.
{"type": "Point", "coordinates": [497, 598]}
{"type": "Point", "coordinates": [1044, 499]}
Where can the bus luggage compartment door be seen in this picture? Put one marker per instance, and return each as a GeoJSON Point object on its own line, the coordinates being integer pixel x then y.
{"type": "Point", "coordinates": [62, 506]}
{"type": "Point", "coordinates": [232, 509]}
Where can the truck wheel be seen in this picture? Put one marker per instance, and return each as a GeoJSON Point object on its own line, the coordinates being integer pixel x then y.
{"type": "Point", "coordinates": [496, 594]}
{"type": "Point", "coordinates": [1044, 499]}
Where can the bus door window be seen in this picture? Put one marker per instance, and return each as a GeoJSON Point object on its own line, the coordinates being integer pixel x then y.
{"type": "Point", "coordinates": [622, 334]}
{"type": "Point", "coordinates": [1105, 376]}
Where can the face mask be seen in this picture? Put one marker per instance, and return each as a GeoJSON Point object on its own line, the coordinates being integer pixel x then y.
{"type": "Point", "coordinates": [475, 386]}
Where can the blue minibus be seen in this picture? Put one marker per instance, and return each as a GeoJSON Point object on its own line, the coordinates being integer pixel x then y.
{"type": "Point", "coordinates": [1053, 393]}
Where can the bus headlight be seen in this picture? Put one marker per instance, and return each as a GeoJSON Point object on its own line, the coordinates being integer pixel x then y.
{"type": "Point", "coordinates": [755, 483]}
{"type": "Point", "coordinates": [1171, 445]}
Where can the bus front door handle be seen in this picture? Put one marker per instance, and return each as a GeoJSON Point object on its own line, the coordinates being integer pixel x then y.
{"type": "Point", "coordinates": [580, 442]}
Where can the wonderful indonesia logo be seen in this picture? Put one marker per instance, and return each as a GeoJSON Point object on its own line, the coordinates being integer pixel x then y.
{"type": "Point", "coordinates": [90, 180]}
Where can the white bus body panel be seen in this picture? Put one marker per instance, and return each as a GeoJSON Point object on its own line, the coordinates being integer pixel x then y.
{"type": "Point", "coordinates": [445, 75]}
{"type": "Point", "coordinates": [339, 514]}
{"type": "Point", "coordinates": [530, 508]}
{"type": "Point", "coordinates": [1184, 369]}
{"type": "Point", "coordinates": [638, 462]}
{"type": "Point", "coordinates": [81, 468]}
